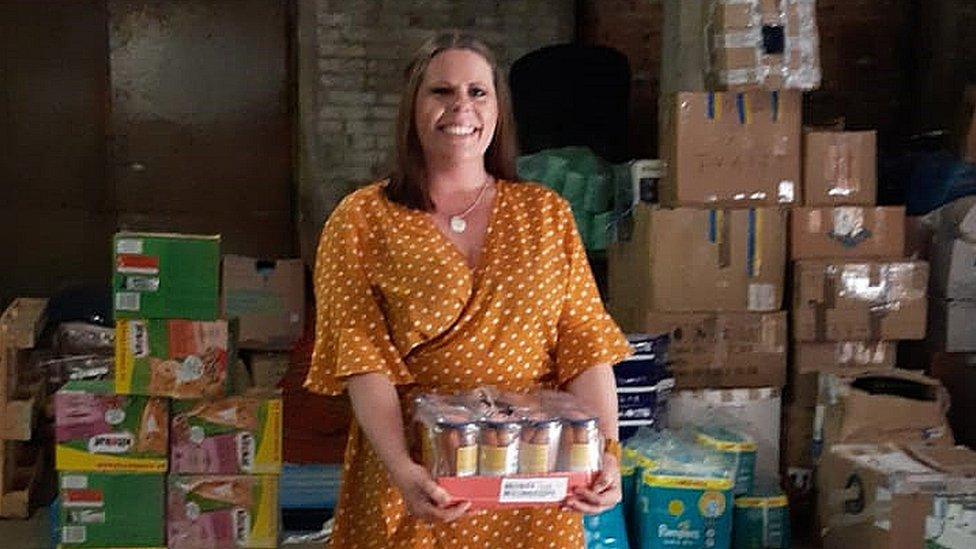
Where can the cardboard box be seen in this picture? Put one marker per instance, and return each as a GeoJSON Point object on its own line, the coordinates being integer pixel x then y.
{"type": "Point", "coordinates": [849, 232]}
{"type": "Point", "coordinates": [174, 358]}
{"type": "Point", "coordinates": [111, 510]}
{"type": "Point", "coordinates": [268, 297]}
{"type": "Point", "coordinates": [844, 356]}
{"type": "Point", "coordinates": [952, 325]}
{"type": "Point", "coordinates": [233, 435]}
{"type": "Point", "coordinates": [798, 436]}
{"type": "Point", "coordinates": [859, 301]}
{"type": "Point", "coordinates": [782, 37]}
{"type": "Point", "coordinates": [268, 369]}
{"type": "Point", "coordinates": [724, 350]}
{"type": "Point", "coordinates": [166, 276]}
{"type": "Point", "coordinates": [727, 149]}
{"type": "Point", "coordinates": [886, 496]}
{"type": "Point", "coordinates": [97, 430]}
{"type": "Point", "coordinates": [840, 168]}
{"type": "Point", "coordinates": [953, 268]}
{"type": "Point", "coordinates": [222, 511]}
{"type": "Point", "coordinates": [698, 260]}
{"type": "Point", "coordinates": [758, 410]}
{"type": "Point", "coordinates": [895, 406]}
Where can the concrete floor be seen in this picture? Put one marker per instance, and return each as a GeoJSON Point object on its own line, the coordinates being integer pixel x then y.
{"type": "Point", "coordinates": [35, 533]}
{"type": "Point", "coordinates": [29, 534]}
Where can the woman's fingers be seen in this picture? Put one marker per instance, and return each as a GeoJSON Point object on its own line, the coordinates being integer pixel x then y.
{"type": "Point", "coordinates": [445, 514]}
{"type": "Point", "coordinates": [438, 495]}
{"type": "Point", "coordinates": [577, 504]}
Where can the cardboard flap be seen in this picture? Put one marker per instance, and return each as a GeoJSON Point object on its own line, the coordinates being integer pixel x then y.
{"type": "Point", "coordinates": [957, 460]}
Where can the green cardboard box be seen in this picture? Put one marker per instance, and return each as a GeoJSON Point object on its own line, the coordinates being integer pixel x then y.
{"type": "Point", "coordinates": [182, 359]}
{"type": "Point", "coordinates": [166, 276]}
{"type": "Point", "coordinates": [112, 510]}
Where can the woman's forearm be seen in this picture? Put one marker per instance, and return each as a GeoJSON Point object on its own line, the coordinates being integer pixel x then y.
{"type": "Point", "coordinates": [597, 389]}
{"type": "Point", "coordinates": [376, 405]}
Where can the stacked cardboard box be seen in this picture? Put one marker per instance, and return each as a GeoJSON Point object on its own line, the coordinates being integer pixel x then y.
{"type": "Point", "coordinates": [854, 295]}
{"type": "Point", "coordinates": [168, 411]}
{"type": "Point", "coordinates": [707, 265]}
{"type": "Point", "coordinates": [710, 271]}
{"type": "Point", "coordinates": [708, 268]}
{"type": "Point", "coordinates": [894, 496]}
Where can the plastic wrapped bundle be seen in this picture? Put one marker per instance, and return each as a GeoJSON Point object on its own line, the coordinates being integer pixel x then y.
{"type": "Point", "coordinates": [686, 498]}
{"type": "Point", "coordinates": [737, 448]}
{"type": "Point", "coordinates": [762, 519]}
{"type": "Point", "coordinates": [753, 44]}
{"type": "Point", "coordinates": [490, 433]}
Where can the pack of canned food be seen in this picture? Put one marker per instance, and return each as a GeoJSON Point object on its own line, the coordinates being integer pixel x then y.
{"type": "Point", "coordinates": [500, 449]}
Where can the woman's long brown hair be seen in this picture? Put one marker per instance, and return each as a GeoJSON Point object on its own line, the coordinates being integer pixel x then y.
{"type": "Point", "coordinates": [408, 182]}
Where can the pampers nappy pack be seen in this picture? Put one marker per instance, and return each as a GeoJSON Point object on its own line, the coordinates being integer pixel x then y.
{"type": "Point", "coordinates": [685, 498]}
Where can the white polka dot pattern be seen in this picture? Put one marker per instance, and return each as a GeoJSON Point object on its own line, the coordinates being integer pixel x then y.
{"type": "Point", "coordinates": [394, 296]}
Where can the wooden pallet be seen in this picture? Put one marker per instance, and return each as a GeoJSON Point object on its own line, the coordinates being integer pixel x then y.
{"type": "Point", "coordinates": [22, 389]}
{"type": "Point", "coordinates": [25, 478]}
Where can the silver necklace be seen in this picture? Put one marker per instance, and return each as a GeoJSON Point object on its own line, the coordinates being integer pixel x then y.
{"type": "Point", "coordinates": [458, 224]}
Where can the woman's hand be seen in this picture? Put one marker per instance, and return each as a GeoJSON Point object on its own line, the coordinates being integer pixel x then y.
{"type": "Point", "coordinates": [605, 493]}
{"type": "Point", "coordinates": [422, 496]}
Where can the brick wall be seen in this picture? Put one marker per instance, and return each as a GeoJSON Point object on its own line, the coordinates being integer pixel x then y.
{"type": "Point", "coordinates": [351, 57]}
{"type": "Point", "coordinates": [634, 28]}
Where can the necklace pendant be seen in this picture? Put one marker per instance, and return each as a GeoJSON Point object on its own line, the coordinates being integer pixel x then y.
{"type": "Point", "coordinates": [458, 225]}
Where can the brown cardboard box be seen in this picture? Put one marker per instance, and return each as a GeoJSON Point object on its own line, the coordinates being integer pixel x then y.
{"type": "Point", "coordinates": [698, 260]}
{"type": "Point", "coordinates": [723, 350]}
{"type": "Point", "coordinates": [894, 406]}
{"type": "Point", "coordinates": [851, 232]}
{"type": "Point", "coordinates": [798, 436]}
{"type": "Point", "coordinates": [844, 356]}
{"type": "Point", "coordinates": [859, 301]}
{"type": "Point", "coordinates": [887, 496]}
{"type": "Point", "coordinates": [693, 30]}
{"type": "Point", "coordinates": [731, 149]}
{"type": "Point", "coordinates": [839, 168]}
{"type": "Point", "coordinates": [267, 369]}
{"type": "Point", "coordinates": [804, 389]}
{"type": "Point", "coordinates": [269, 298]}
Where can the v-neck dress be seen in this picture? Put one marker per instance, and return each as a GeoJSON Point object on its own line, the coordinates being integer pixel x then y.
{"type": "Point", "coordinates": [395, 296]}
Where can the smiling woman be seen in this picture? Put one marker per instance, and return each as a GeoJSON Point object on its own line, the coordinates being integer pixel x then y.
{"type": "Point", "coordinates": [448, 276]}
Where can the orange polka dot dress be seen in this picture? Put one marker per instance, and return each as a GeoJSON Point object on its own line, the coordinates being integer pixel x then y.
{"type": "Point", "coordinates": [394, 295]}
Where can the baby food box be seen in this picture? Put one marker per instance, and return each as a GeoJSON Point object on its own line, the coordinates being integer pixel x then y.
{"type": "Point", "coordinates": [222, 511]}
{"type": "Point", "coordinates": [233, 435]}
{"type": "Point", "coordinates": [97, 430]}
